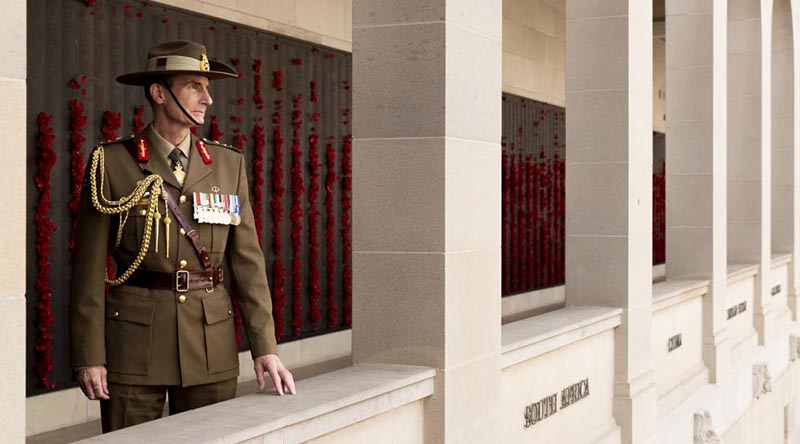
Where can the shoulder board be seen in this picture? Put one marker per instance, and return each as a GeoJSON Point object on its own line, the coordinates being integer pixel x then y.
{"type": "Point", "coordinates": [117, 140]}
{"type": "Point", "coordinates": [218, 143]}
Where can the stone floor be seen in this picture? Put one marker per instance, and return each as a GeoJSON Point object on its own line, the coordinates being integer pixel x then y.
{"type": "Point", "coordinates": [86, 430]}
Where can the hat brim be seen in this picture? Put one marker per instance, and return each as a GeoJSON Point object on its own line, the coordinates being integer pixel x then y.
{"type": "Point", "coordinates": [217, 70]}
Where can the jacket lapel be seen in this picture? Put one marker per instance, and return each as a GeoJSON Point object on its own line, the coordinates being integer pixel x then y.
{"type": "Point", "coordinates": [158, 162]}
{"type": "Point", "coordinates": [198, 170]}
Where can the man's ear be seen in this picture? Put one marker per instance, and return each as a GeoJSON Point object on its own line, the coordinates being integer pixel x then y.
{"type": "Point", "coordinates": [157, 93]}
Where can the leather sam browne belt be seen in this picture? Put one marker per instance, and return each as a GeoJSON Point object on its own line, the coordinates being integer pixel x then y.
{"type": "Point", "coordinates": [180, 281]}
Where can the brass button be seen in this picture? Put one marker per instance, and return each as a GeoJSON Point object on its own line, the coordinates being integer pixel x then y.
{"type": "Point", "coordinates": [182, 232]}
{"type": "Point", "coordinates": [183, 263]}
{"type": "Point", "coordinates": [142, 212]}
{"type": "Point", "coordinates": [182, 299]}
{"type": "Point", "coordinates": [116, 314]}
{"type": "Point", "coordinates": [182, 199]}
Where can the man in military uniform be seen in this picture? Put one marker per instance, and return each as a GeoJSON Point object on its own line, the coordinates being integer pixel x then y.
{"type": "Point", "coordinates": [169, 207]}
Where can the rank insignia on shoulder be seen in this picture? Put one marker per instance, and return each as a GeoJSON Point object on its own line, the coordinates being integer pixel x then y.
{"type": "Point", "coordinates": [142, 150]}
{"type": "Point", "coordinates": [204, 153]}
{"type": "Point", "coordinates": [215, 208]}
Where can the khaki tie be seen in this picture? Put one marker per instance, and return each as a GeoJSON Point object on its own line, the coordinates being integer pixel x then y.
{"type": "Point", "coordinates": [177, 165]}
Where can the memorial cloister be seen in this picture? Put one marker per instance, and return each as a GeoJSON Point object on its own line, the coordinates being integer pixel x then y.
{"type": "Point", "coordinates": [454, 336]}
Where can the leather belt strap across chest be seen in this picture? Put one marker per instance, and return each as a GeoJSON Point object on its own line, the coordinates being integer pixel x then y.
{"type": "Point", "coordinates": [191, 233]}
{"type": "Point", "coordinates": [180, 281]}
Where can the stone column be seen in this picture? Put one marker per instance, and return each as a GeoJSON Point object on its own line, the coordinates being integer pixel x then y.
{"type": "Point", "coordinates": [749, 152]}
{"type": "Point", "coordinates": [782, 130]}
{"type": "Point", "coordinates": [794, 273]}
{"type": "Point", "coordinates": [784, 191]}
{"type": "Point", "coordinates": [785, 224]}
{"type": "Point", "coordinates": [12, 243]}
{"type": "Point", "coordinates": [609, 188]}
{"type": "Point", "coordinates": [696, 43]}
{"type": "Point", "coordinates": [426, 202]}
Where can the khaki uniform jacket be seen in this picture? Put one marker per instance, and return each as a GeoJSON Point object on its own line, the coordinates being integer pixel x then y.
{"type": "Point", "coordinates": [147, 336]}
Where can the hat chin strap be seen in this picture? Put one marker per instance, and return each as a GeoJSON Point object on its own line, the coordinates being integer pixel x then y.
{"type": "Point", "coordinates": [178, 102]}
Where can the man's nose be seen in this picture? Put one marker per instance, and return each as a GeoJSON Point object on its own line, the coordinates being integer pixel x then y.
{"type": "Point", "coordinates": [206, 99]}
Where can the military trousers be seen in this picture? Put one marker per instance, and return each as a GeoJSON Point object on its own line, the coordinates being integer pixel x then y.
{"type": "Point", "coordinates": [135, 404]}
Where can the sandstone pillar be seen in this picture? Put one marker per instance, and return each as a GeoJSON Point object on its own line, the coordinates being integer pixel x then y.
{"type": "Point", "coordinates": [749, 152]}
{"type": "Point", "coordinates": [696, 43]}
{"type": "Point", "coordinates": [609, 104]}
{"type": "Point", "coordinates": [426, 201]}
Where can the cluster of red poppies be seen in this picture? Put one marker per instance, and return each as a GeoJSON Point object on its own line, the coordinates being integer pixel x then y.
{"type": "Point", "coordinates": [44, 232]}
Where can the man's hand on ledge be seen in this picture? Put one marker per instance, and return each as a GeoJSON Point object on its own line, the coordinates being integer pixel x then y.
{"type": "Point", "coordinates": [281, 377]}
{"type": "Point", "coordinates": [92, 381]}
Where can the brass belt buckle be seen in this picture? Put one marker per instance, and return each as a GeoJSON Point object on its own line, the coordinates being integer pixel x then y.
{"type": "Point", "coordinates": [182, 281]}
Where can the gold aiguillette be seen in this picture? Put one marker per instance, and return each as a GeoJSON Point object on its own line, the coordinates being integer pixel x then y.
{"type": "Point", "coordinates": [167, 221]}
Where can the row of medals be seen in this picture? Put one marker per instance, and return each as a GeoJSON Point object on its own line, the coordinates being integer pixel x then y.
{"type": "Point", "coordinates": [213, 208]}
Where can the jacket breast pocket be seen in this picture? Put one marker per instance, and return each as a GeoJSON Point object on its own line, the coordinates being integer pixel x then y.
{"type": "Point", "coordinates": [133, 231]}
{"type": "Point", "coordinates": [220, 334]}
{"type": "Point", "coordinates": [219, 238]}
{"type": "Point", "coordinates": [129, 332]}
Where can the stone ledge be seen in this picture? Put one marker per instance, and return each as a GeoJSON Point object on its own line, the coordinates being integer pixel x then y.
{"type": "Point", "coordinates": [780, 259]}
{"type": "Point", "coordinates": [305, 358]}
{"type": "Point", "coordinates": [738, 272]}
{"type": "Point", "coordinates": [669, 293]}
{"type": "Point", "coordinates": [324, 404]}
{"type": "Point", "coordinates": [528, 338]}
{"type": "Point", "coordinates": [533, 303]}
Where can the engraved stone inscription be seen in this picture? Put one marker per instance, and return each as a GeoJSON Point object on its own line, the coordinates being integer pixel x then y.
{"type": "Point", "coordinates": [548, 406]}
{"type": "Point", "coordinates": [674, 342]}
{"type": "Point", "coordinates": [541, 410]}
{"type": "Point", "coordinates": [574, 393]}
{"type": "Point", "coordinates": [739, 308]}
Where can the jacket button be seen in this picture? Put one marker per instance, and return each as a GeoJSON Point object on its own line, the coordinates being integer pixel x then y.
{"type": "Point", "coordinates": [230, 312]}
{"type": "Point", "coordinates": [182, 199]}
{"type": "Point", "coordinates": [183, 263]}
{"type": "Point", "coordinates": [142, 212]}
{"type": "Point", "coordinates": [116, 314]}
{"type": "Point", "coordinates": [182, 299]}
{"type": "Point", "coordinates": [182, 232]}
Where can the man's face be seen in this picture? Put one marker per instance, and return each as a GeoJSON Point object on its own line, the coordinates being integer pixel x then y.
{"type": "Point", "coordinates": [192, 91]}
